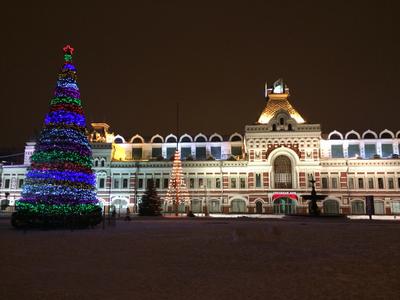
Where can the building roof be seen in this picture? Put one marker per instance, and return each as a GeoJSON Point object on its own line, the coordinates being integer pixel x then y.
{"type": "Point", "coordinates": [277, 101]}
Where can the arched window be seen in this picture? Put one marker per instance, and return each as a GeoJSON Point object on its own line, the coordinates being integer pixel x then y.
{"type": "Point", "coordinates": [290, 127]}
{"type": "Point", "coordinates": [118, 141]}
{"type": "Point", "coordinates": [282, 121]}
{"type": "Point", "coordinates": [102, 163]}
{"type": "Point", "coordinates": [274, 127]}
{"type": "Point", "coordinates": [171, 139]}
{"type": "Point", "coordinates": [283, 172]}
{"type": "Point", "coordinates": [185, 139]}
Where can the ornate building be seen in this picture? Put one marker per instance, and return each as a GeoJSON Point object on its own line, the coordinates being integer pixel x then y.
{"type": "Point", "coordinates": [264, 170]}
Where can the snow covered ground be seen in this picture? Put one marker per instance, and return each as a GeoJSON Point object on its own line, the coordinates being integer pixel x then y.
{"type": "Point", "coordinates": [290, 258]}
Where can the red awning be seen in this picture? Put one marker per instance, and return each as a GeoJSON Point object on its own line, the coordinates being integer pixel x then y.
{"type": "Point", "coordinates": [291, 196]}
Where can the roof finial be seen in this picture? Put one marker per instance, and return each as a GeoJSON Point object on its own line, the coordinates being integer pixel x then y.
{"type": "Point", "coordinates": [266, 89]}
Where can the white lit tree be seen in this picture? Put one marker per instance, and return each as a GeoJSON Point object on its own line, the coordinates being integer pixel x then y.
{"type": "Point", "coordinates": [177, 190]}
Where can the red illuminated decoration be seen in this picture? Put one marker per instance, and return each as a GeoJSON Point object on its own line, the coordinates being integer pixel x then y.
{"type": "Point", "coordinates": [68, 49]}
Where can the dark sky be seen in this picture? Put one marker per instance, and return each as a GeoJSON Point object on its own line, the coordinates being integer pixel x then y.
{"type": "Point", "coordinates": [136, 60]}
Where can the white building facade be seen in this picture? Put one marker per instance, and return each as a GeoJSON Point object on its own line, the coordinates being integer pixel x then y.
{"type": "Point", "coordinates": [264, 170]}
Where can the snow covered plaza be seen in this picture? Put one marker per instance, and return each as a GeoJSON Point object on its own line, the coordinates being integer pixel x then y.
{"type": "Point", "coordinates": [295, 258]}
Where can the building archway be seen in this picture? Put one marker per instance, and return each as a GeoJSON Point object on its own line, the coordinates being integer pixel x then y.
{"type": "Point", "coordinates": [238, 206]}
{"type": "Point", "coordinates": [120, 205]}
{"type": "Point", "coordinates": [331, 207]}
{"type": "Point", "coordinates": [284, 205]}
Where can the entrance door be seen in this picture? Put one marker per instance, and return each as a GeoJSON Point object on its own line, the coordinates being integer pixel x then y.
{"type": "Point", "coordinates": [259, 209]}
{"type": "Point", "coordinates": [284, 206]}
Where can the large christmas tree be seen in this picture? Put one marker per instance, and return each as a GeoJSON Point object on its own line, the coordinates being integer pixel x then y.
{"type": "Point", "coordinates": [177, 191]}
{"type": "Point", "coordinates": [60, 183]}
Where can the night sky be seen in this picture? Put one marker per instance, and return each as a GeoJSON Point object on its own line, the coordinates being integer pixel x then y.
{"type": "Point", "coordinates": [135, 61]}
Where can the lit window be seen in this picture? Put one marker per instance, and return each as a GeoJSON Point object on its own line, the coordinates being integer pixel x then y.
{"type": "Point", "coordinates": [258, 180]}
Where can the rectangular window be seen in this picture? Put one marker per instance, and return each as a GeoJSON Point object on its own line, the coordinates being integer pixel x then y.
{"type": "Point", "coordinates": [218, 183]}
{"type": "Point", "coordinates": [309, 178]}
{"type": "Point", "coordinates": [140, 183]}
{"type": "Point", "coordinates": [170, 152]}
{"type": "Point", "coordinates": [191, 183]}
{"type": "Point", "coordinates": [157, 183]}
{"type": "Point", "coordinates": [380, 183]}
{"type": "Point", "coordinates": [216, 152]}
{"type": "Point", "coordinates": [201, 153]}
{"type": "Point", "coordinates": [201, 183]}
{"type": "Point", "coordinates": [137, 153]}
{"type": "Point", "coordinates": [7, 183]}
{"type": "Point", "coordinates": [186, 152]}
{"type": "Point", "coordinates": [370, 150]}
{"type": "Point", "coordinates": [242, 182]}
{"type": "Point", "coordinates": [209, 182]}
{"type": "Point", "coordinates": [125, 183]}
{"type": "Point", "coordinates": [148, 182]}
{"type": "Point", "coordinates": [20, 183]}
{"type": "Point", "coordinates": [390, 183]}
{"type": "Point", "coordinates": [324, 182]}
{"type": "Point", "coordinates": [351, 183]}
{"type": "Point", "coordinates": [360, 183]}
{"type": "Point", "coordinates": [387, 150]}
{"type": "Point", "coordinates": [398, 183]}
{"type": "Point", "coordinates": [166, 183]}
{"type": "Point", "coordinates": [334, 183]}
{"type": "Point", "coordinates": [233, 183]}
{"type": "Point", "coordinates": [370, 183]}
{"type": "Point", "coordinates": [156, 152]}
{"type": "Point", "coordinates": [258, 180]}
{"type": "Point", "coordinates": [236, 150]}
{"type": "Point", "coordinates": [116, 183]}
{"type": "Point", "coordinates": [353, 150]}
{"type": "Point", "coordinates": [101, 183]}
{"type": "Point", "coordinates": [337, 151]}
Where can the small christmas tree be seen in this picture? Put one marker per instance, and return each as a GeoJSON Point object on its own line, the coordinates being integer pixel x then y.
{"type": "Point", "coordinates": [60, 184]}
{"type": "Point", "coordinates": [177, 190]}
{"type": "Point", "coordinates": [151, 202]}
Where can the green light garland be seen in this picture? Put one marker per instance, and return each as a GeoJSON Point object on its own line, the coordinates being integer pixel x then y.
{"type": "Point", "coordinates": [61, 156]}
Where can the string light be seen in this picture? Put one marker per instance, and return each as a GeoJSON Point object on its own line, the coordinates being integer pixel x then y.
{"type": "Point", "coordinates": [177, 190]}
